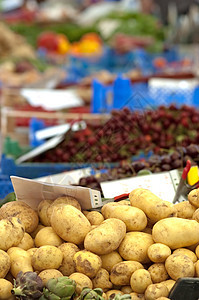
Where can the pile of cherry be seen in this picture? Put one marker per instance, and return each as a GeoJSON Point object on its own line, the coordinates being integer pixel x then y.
{"type": "Point", "coordinates": [127, 133]}
{"type": "Point", "coordinates": [161, 162]}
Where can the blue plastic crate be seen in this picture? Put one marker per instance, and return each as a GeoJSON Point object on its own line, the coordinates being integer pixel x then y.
{"type": "Point", "coordinates": [5, 186]}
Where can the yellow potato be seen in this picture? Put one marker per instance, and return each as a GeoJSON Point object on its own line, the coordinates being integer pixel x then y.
{"type": "Point", "coordinates": [162, 298]}
{"type": "Point", "coordinates": [124, 202]}
{"type": "Point", "coordinates": [70, 223]}
{"type": "Point", "coordinates": [179, 265]}
{"type": "Point", "coordinates": [21, 210]}
{"type": "Point", "coordinates": [95, 217]}
{"type": "Point", "coordinates": [155, 291]}
{"type": "Point", "coordinates": [102, 281]}
{"type": "Point", "coordinates": [121, 272]}
{"type": "Point", "coordinates": [106, 237]}
{"type": "Point", "coordinates": [110, 259]}
{"type": "Point", "coordinates": [31, 251]}
{"type": "Point", "coordinates": [42, 211]}
{"type": "Point", "coordinates": [87, 263]}
{"type": "Point", "coordinates": [193, 197]}
{"type": "Point", "coordinates": [136, 296]}
{"type": "Point", "coordinates": [47, 257]}
{"type": "Point", "coordinates": [47, 236]}
{"type": "Point", "coordinates": [11, 233]}
{"type": "Point", "coordinates": [195, 215]}
{"type": "Point", "coordinates": [176, 232]}
{"type": "Point", "coordinates": [134, 218]}
{"type": "Point", "coordinates": [126, 289]}
{"type": "Point", "coordinates": [46, 275]}
{"type": "Point", "coordinates": [26, 242]}
{"type": "Point", "coordinates": [169, 283]}
{"type": "Point", "coordinates": [187, 252]}
{"type": "Point", "coordinates": [135, 246]}
{"type": "Point", "coordinates": [154, 207]}
{"type": "Point", "coordinates": [111, 294]}
{"type": "Point", "coordinates": [81, 281]}
{"type": "Point", "coordinates": [197, 251]}
{"type": "Point", "coordinates": [34, 233]}
{"type": "Point", "coordinates": [140, 280]}
{"type": "Point", "coordinates": [107, 208]}
{"type": "Point", "coordinates": [4, 263]}
{"type": "Point", "coordinates": [5, 289]}
{"type": "Point", "coordinates": [20, 260]}
{"type": "Point", "coordinates": [185, 210]}
{"type": "Point", "coordinates": [158, 272]}
{"type": "Point", "coordinates": [158, 252]}
{"type": "Point", "coordinates": [197, 268]}
{"type": "Point", "coordinates": [68, 266]}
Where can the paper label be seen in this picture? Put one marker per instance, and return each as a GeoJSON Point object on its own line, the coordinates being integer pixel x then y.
{"type": "Point", "coordinates": [164, 185]}
{"type": "Point", "coordinates": [33, 192]}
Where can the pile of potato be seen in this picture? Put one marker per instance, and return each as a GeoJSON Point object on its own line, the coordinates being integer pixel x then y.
{"type": "Point", "coordinates": [140, 247]}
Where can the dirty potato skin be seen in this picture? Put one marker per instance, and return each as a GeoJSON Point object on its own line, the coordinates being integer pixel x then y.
{"type": "Point", "coordinates": [158, 252]}
{"type": "Point", "coordinates": [21, 210]}
{"type": "Point", "coordinates": [121, 272]}
{"type": "Point", "coordinates": [42, 211]}
{"type": "Point", "coordinates": [68, 265]}
{"type": "Point", "coordinates": [102, 281]}
{"type": "Point", "coordinates": [47, 257]}
{"type": "Point", "coordinates": [4, 263]}
{"type": "Point", "coordinates": [179, 265]}
{"type": "Point", "coordinates": [45, 275]}
{"type": "Point", "coordinates": [81, 281]}
{"type": "Point", "coordinates": [155, 291]}
{"type": "Point", "coordinates": [87, 263]}
{"type": "Point", "coordinates": [110, 259]}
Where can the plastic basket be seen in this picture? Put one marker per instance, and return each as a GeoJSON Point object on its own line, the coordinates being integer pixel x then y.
{"type": "Point", "coordinates": [5, 186]}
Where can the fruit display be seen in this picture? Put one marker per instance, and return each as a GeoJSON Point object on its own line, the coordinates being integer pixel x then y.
{"type": "Point", "coordinates": [132, 249]}
{"type": "Point", "coordinates": [162, 162]}
{"type": "Point", "coordinates": [127, 133]}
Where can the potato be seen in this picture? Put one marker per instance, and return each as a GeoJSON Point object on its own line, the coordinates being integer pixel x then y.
{"type": "Point", "coordinates": [31, 251]}
{"type": "Point", "coordinates": [195, 215]}
{"type": "Point", "coordinates": [95, 217]}
{"type": "Point", "coordinates": [136, 296]}
{"type": "Point", "coordinates": [47, 236]}
{"type": "Point", "coordinates": [154, 207]}
{"type": "Point", "coordinates": [135, 246]}
{"type": "Point", "coordinates": [193, 197]}
{"type": "Point", "coordinates": [126, 289]}
{"type": "Point", "coordinates": [68, 266]}
{"type": "Point", "coordinates": [185, 210]}
{"type": "Point", "coordinates": [158, 272]}
{"type": "Point", "coordinates": [106, 237]}
{"type": "Point", "coordinates": [47, 257]}
{"type": "Point", "coordinates": [121, 272]}
{"type": "Point", "coordinates": [169, 283]}
{"type": "Point", "coordinates": [155, 291]}
{"type": "Point", "coordinates": [197, 251]}
{"type": "Point", "coordinates": [5, 289]}
{"type": "Point", "coordinates": [111, 294]}
{"type": "Point", "coordinates": [4, 263]}
{"type": "Point", "coordinates": [163, 298]}
{"type": "Point", "coordinates": [179, 265]}
{"type": "Point", "coordinates": [69, 200]}
{"type": "Point", "coordinates": [87, 263]}
{"type": "Point", "coordinates": [42, 211]}
{"type": "Point", "coordinates": [34, 233]}
{"type": "Point", "coordinates": [140, 280]}
{"type": "Point", "coordinates": [102, 281]}
{"type": "Point", "coordinates": [85, 212]}
{"type": "Point", "coordinates": [11, 233]}
{"type": "Point", "coordinates": [187, 252]}
{"type": "Point", "coordinates": [134, 218]}
{"type": "Point", "coordinates": [107, 208]}
{"type": "Point", "coordinates": [124, 202]}
{"type": "Point", "coordinates": [110, 259]}
{"type": "Point", "coordinates": [81, 281]}
{"type": "Point", "coordinates": [158, 252]}
{"type": "Point", "coordinates": [45, 275]}
{"type": "Point", "coordinates": [197, 269]}
{"type": "Point", "coordinates": [21, 210]}
{"type": "Point", "coordinates": [70, 224]}
{"type": "Point", "coordinates": [176, 232]}
{"type": "Point", "coordinates": [26, 242]}
{"type": "Point", "coordinates": [20, 260]}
